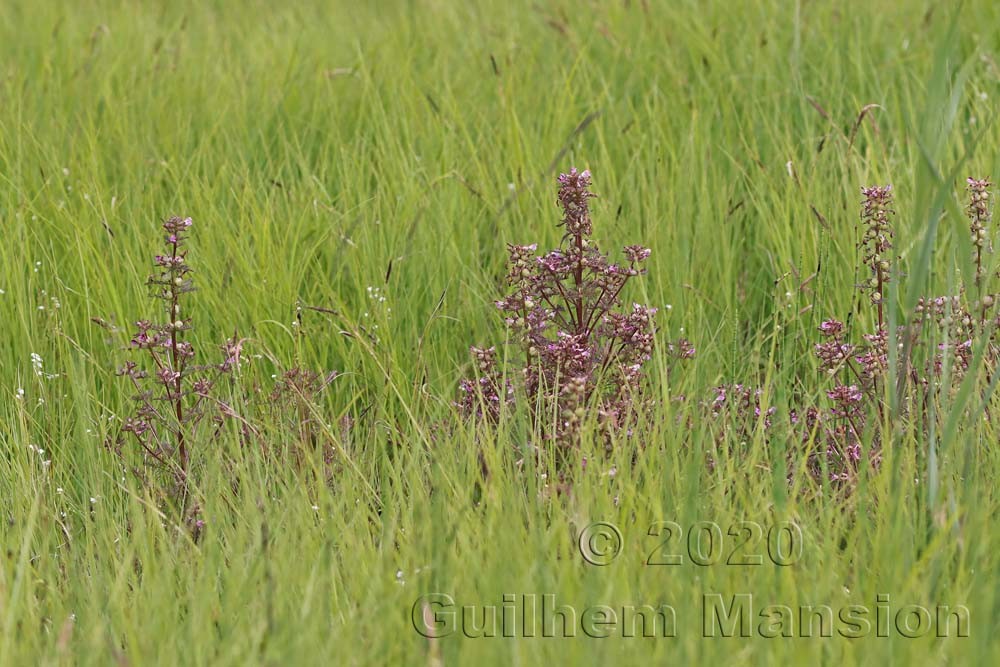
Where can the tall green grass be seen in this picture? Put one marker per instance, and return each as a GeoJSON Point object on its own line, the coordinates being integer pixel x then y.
{"type": "Point", "coordinates": [325, 148]}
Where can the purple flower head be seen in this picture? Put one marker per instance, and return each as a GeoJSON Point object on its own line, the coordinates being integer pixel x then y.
{"type": "Point", "coordinates": [832, 354]}
{"type": "Point", "coordinates": [556, 262]}
{"type": "Point", "coordinates": [232, 349]}
{"type": "Point", "coordinates": [202, 386]}
{"type": "Point", "coordinates": [577, 181]}
{"type": "Point", "coordinates": [177, 225]}
{"type": "Point", "coordinates": [636, 253]}
{"type": "Point", "coordinates": [877, 195]}
{"type": "Point", "coordinates": [169, 261]}
{"type": "Point", "coordinates": [146, 339]}
{"type": "Point", "coordinates": [720, 395]}
{"type": "Point", "coordinates": [574, 198]}
{"type": "Point", "coordinates": [682, 349]}
{"type": "Point", "coordinates": [167, 376]}
{"type": "Point", "coordinates": [845, 395]}
{"type": "Point", "coordinates": [136, 426]}
{"type": "Point", "coordinates": [831, 327]}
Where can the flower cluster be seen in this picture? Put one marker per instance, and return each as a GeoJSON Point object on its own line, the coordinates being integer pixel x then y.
{"type": "Point", "coordinates": [954, 329]}
{"type": "Point", "coordinates": [876, 242]}
{"type": "Point", "coordinates": [845, 430]}
{"type": "Point", "coordinates": [944, 325]}
{"type": "Point", "coordinates": [573, 197]}
{"type": "Point", "coordinates": [834, 434]}
{"type": "Point", "coordinates": [178, 407]}
{"type": "Point", "coordinates": [979, 218]}
{"type": "Point", "coordinates": [737, 413]}
{"type": "Point", "coordinates": [172, 395]}
{"type": "Point", "coordinates": [582, 353]}
{"type": "Point", "coordinates": [485, 396]}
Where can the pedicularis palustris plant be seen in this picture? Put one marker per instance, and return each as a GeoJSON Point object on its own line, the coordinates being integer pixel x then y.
{"type": "Point", "coordinates": [581, 352]}
{"type": "Point", "coordinates": [948, 327]}
{"type": "Point", "coordinates": [172, 394]}
{"type": "Point", "coordinates": [850, 427]}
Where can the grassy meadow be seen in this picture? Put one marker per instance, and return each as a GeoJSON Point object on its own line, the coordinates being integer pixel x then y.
{"type": "Point", "coordinates": [354, 171]}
